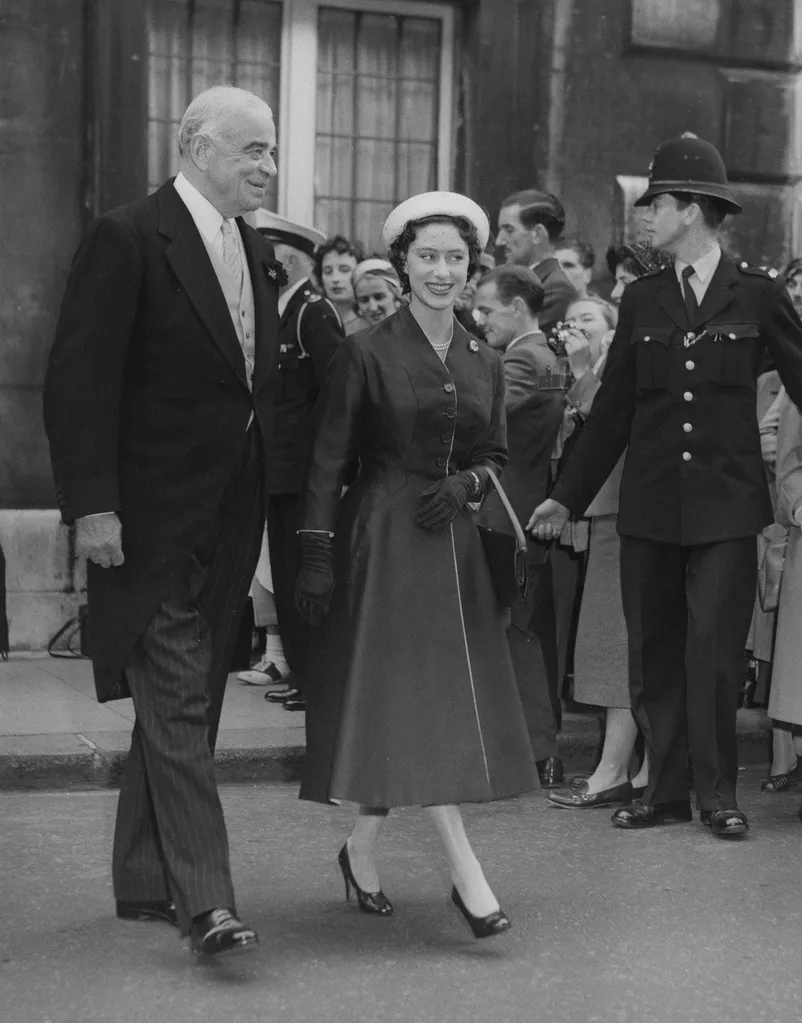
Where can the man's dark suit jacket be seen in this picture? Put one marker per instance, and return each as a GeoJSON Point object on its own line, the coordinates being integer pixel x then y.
{"type": "Point", "coordinates": [682, 395]}
{"type": "Point", "coordinates": [533, 422]}
{"type": "Point", "coordinates": [147, 405]}
{"type": "Point", "coordinates": [559, 293]}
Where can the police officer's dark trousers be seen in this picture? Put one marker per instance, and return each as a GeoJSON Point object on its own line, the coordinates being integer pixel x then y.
{"type": "Point", "coordinates": [688, 611]}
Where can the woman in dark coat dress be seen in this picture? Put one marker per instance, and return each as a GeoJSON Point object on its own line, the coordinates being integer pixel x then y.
{"type": "Point", "coordinates": [414, 700]}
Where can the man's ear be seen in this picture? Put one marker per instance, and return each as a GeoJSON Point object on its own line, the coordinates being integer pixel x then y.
{"type": "Point", "coordinates": [520, 306]}
{"type": "Point", "coordinates": [539, 234]}
{"type": "Point", "coordinates": [199, 150]}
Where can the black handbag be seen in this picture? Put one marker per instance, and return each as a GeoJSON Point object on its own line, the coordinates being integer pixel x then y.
{"type": "Point", "coordinates": [506, 555]}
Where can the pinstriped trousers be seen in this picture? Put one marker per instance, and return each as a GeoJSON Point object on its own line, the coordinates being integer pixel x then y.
{"type": "Point", "coordinates": [170, 840]}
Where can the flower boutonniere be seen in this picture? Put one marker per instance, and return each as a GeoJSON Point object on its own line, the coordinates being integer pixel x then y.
{"type": "Point", "coordinates": [277, 273]}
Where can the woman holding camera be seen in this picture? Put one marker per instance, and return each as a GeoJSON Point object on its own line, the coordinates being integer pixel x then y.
{"type": "Point", "coordinates": [414, 700]}
{"type": "Point", "coordinates": [601, 675]}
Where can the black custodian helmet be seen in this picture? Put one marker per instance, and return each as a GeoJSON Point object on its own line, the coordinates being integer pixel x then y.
{"type": "Point", "coordinates": [689, 164]}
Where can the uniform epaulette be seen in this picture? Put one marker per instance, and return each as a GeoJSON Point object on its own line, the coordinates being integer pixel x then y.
{"type": "Point", "coordinates": [760, 271]}
{"type": "Point", "coordinates": [312, 296]}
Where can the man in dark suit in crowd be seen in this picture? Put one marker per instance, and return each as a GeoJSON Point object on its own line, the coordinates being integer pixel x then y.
{"type": "Point", "coordinates": [508, 301]}
{"type": "Point", "coordinates": [310, 331]}
{"type": "Point", "coordinates": [159, 412]}
{"type": "Point", "coordinates": [529, 224]}
{"type": "Point", "coordinates": [679, 390]}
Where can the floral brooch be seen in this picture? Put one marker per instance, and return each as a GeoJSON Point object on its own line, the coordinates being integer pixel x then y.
{"type": "Point", "coordinates": [277, 273]}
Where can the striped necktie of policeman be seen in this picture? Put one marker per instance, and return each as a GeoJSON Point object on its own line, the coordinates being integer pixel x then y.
{"type": "Point", "coordinates": [231, 254]}
{"type": "Point", "coordinates": [691, 305]}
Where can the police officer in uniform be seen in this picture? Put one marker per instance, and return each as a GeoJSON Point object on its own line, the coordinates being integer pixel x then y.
{"type": "Point", "coordinates": [679, 392]}
{"type": "Point", "coordinates": [310, 331]}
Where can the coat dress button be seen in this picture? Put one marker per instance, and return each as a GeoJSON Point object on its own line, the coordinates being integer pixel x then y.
{"type": "Point", "coordinates": [442, 462]}
{"type": "Point", "coordinates": [686, 456]}
{"type": "Point", "coordinates": [446, 438]}
{"type": "Point", "coordinates": [687, 427]}
{"type": "Point", "coordinates": [690, 365]}
{"type": "Point", "coordinates": [448, 388]}
{"type": "Point", "coordinates": [450, 413]}
{"type": "Point", "coordinates": [688, 396]}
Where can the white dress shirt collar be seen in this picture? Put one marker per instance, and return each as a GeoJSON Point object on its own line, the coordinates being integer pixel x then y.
{"type": "Point", "coordinates": [285, 296]}
{"type": "Point", "coordinates": [704, 268]}
{"type": "Point", "coordinates": [208, 220]}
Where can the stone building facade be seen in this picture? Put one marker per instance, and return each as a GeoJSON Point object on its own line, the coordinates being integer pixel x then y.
{"type": "Point", "coordinates": [375, 99]}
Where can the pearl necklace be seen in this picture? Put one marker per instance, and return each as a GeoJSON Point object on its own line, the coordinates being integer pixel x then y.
{"type": "Point", "coordinates": [442, 347]}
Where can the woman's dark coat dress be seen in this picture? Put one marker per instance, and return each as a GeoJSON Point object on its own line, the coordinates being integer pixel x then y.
{"type": "Point", "coordinates": [412, 699]}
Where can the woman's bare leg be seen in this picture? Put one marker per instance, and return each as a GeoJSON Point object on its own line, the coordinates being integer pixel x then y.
{"type": "Point", "coordinates": [619, 741]}
{"type": "Point", "coordinates": [466, 871]}
{"type": "Point", "coordinates": [362, 846]}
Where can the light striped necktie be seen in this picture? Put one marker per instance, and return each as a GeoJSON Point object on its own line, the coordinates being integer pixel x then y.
{"type": "Point", "coordinates": [231, 254]}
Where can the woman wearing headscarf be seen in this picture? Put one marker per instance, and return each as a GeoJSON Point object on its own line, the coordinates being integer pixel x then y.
{"type": "Point", "coordinates": [415, 700]}
{"type": "Point", "coordinates": [377, 291]}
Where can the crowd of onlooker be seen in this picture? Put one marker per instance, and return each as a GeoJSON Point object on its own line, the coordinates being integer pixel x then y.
{"type": "Point", "coordinates": [577, 616]}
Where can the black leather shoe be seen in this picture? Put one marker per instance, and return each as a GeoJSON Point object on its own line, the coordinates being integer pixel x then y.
{"type": "Point", "coordinates": [219, 931]}
{"type": "Point", "coordinates": [725, 823]}
{"type": "Point", "coordinates": [578, 782]}
{"type": "Point", "coordinates": [288, 694]}
{"type": "Point", "coordinates": [642, 815]}
{"type": "Point", "coordinates": [581, 799]}
{"type": "Point", "coordinates": [161, 910]}
{"type": "Point", "coordinates": [482, 926]}
{"type": "Point", "coordinates": [296, 703]}
{"type": "Point", "coordinates": [551, 772]}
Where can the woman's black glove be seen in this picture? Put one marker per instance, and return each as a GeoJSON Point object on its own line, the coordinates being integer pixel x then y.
{"type": "Point", "coordinates": [449, 497]}
{"type": "Point", "coordinates": [315, 583]}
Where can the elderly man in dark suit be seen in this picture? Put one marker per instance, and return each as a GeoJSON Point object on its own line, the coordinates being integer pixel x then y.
{"type": "Point", "coordinates": [529, 224]}
{"type": "Point", "coordinates": [679, 391]}
{"type": "Point", "coordinates": [158, 409]}
{"type": "Point", "coordinates": [508, 302]}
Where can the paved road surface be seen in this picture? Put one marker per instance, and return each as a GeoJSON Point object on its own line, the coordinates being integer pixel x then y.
{"type": "Point", "coordinates": [609, 927]}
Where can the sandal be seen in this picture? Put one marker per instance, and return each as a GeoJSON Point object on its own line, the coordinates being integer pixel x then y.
{"type": "Point", "coordinates": [777, 782]}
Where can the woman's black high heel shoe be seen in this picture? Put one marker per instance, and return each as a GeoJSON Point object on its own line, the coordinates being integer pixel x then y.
{"type": "Point", "coordinates": [369, 902]}
{"type": "Point", "coordinates": [482, 926]}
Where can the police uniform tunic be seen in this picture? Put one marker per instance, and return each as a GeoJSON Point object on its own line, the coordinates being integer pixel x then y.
{"type": "Point", "coordinates": [310, 332]}
{"type": "Point", "coordinates": [681, 394]}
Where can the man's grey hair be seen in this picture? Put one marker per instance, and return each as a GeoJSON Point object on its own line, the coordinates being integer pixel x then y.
{"type": "Point", "coordinates": [209, 110]}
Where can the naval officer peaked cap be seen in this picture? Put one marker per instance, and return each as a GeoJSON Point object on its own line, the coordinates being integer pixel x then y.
{"type": "Point", "coordinates": [280, 229]}
{"type": "Point", "coordinates": [689, 164]}
{"type": "Point", "coordinates": [436, 204]}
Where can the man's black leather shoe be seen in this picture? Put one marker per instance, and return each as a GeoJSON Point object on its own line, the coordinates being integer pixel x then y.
{"type": "Point", "coordinates": [282, 697]}
{"type": "Point", "coordinates": [642, 815]}
{"type": "Point", "coordinates": [551, 772]}
{"type": "Point", "coordinates": [725, 823]}
{"type": "Point", "coordinates": [220, 931]}
{"type": "Point", "coordinates": [296, 702]}
{"type": "Point", "coordinates": [161, 910]}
